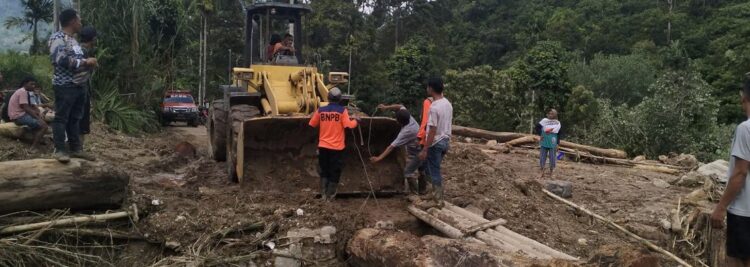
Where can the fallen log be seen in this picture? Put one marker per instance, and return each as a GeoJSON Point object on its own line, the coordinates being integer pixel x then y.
{"type": "Point", "coordinates": [504, 137]}
{"type": "Point", "coordinates": [641, 240]}
{"type": "Point", "coordinates": [529, 139]}
{"type": "Point", "coordinates": [13, 131]}
{"type": "Point", "coordinates": [43, 184]}
{"type": "Point", "coordinates": [501, 137]}
{"type": "Point", "coordinates": [441, 226]}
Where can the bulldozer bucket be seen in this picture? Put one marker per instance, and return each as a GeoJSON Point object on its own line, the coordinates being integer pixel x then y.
{"type": "Point", "coordinates": [280, 154]}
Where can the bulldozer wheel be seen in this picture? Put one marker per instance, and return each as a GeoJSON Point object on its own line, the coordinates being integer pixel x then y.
{"type": "Point", "coordinates": [237, 114]}
{"type": "Point", "coordinates": [217, 128]}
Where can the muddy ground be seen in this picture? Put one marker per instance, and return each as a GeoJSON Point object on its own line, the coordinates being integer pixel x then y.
{"type": "Point", "coordinates": [194, 199]}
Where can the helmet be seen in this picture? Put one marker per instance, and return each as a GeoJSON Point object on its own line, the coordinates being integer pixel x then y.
{"type": "Point", "coordinates": [334, 95]}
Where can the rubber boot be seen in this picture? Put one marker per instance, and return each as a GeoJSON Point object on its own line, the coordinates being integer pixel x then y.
{"type": "Point", "coordinates": [323, 187]}
{"type": "Point", "coordinates": [423, 184]}
{"type": "Point", "coordinates": [413, 187]}
{"type": "Point", "coordinates": [439, 197]}
{"type": "Point", "coordinates": [331, 190]}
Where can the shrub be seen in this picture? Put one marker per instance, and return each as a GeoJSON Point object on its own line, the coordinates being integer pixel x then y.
{"type": "Point", "coordinates": [483, 97]}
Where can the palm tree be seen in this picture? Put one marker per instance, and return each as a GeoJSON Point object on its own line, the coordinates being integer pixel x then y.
{"type": "Point", "coordinates": [35, 11]}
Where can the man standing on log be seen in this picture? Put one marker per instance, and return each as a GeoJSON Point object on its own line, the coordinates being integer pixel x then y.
{"type": "Point", "coordinates": [68, 60]}
{"type": "Point", "coordinates": [332, 120]}
{"type": "Point", "coordinates": [438, 137]}
{"type": "Point", "coordinates": [406, 138]}
{"type": "Point", "coordinates": [735, 202]}
{"type": "Point", "coordinates": [548, 129]}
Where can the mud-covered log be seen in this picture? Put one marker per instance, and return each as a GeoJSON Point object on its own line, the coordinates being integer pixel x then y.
{"type": "Point", "coordinates": [11, 130]}
{"type": "Point", "coordinates": [605, 152]}
{"type": "Point", "coordinates": [377, 247]}
{"type": "Point", "coordinates": [501, 137]}
{"type": "Point", "coordinates": [42, 184]}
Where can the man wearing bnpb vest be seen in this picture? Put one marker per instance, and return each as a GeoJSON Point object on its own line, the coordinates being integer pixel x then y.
{"type": "Point", "coordinates": [332, 120]}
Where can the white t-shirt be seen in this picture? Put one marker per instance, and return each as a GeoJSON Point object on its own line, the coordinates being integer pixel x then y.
{"type": "Point", "coordinates": [741, 149]}
{"type": "Point", "coordinates": [441, 117]}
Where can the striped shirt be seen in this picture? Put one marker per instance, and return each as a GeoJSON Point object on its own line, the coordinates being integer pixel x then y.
{"type": "Point", "coordinates": [67, 58]}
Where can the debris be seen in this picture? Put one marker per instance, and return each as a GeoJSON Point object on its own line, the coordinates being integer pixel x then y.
{"type": "Point", "coordinates": [560, 188]}
{"type": "Point", "coordinates": [172, 244]}
{"type": "Point", "coordinates": [270, 245]}
{"type": "Point", "coordinates": [660, 183]}
{"type": "Point", "coordinates": [468, 140]}
{"type": "Point", "coordinates": [132, 212]}
{"type": "Point", "coordinates": [492, 143]}
{"type": "Point", "coordinates": [179, 218]}
{"type": "Point", "coordinates": [691, 179]}
{"type": "Point", "coordinates": [665, 224]}
{"type": "Point", "coordinates": [645, 242]}
{"type": "Point", "coordinates": [384, 225]}
{"type": "Point", "coordinates": [583, 242]}
{"type": "Point", "coordinates": [683, 160]}
{"type": "Point", "coordinates": [300, 212]}
{"type": "Point", "coordinates": [185, 150]}
{"type": "Point", "coordinates": [156, 202]}
{"type": "Point", "coordinates": [639, 158]}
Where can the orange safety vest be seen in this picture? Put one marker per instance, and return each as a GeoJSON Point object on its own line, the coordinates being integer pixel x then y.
{"type": "Point", "coordinates": [422, 134]}
{"type": "Point", "coordinates": [332, 120]}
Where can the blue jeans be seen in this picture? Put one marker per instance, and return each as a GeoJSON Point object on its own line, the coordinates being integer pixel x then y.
{"type": "Point", "coordinates": [69, 102]}
{"type": "Point", "coordinates": [435, 155]}
{"type": "Point", "coordinates": [548, 153]}
{"type": "Point", "coordinates": [29, 121]}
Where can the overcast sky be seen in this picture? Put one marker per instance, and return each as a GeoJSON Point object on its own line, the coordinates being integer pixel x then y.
{"type": "Point", "coordinates": [10, 38]}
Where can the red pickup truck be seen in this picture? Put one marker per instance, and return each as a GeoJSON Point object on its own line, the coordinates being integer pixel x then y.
{"type": "Point", "coordinates": [179, 106]}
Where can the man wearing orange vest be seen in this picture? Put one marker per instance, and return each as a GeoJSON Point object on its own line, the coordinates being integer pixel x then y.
{"type": "Point", "coordinates": [332, 120]}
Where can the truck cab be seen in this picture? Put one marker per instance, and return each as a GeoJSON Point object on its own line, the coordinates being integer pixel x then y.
{"type": "Point", "coordinates": [179, 106]}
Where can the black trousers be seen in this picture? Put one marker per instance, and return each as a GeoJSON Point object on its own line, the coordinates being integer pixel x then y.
{"type": "Point", "coordinates": [331, 163]}
{"type": "Point", "coordinates": [86, 120]}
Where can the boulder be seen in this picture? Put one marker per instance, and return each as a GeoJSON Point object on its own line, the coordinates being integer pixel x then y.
{"type": "Point", "coordinates": [718, 170]}
{"type": "Point", "coordinates": [563, 189]}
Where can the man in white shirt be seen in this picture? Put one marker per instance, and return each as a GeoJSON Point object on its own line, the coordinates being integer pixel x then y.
{"type": "Point", "coordinates": [735, 202]}
{"type": "Point", "coordinates": [438, 137]}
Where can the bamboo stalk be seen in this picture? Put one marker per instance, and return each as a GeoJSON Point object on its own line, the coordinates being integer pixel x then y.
{"type": "Point", "coordinates": [645, 242]}
{"type": "Point", "coordinates": [67, 221]}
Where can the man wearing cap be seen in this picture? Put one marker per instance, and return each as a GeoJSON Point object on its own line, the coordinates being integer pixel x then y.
{"type": "Point", "coordinates": [332, 120]}
{"type": "Point", "coordinates": [88, 41]}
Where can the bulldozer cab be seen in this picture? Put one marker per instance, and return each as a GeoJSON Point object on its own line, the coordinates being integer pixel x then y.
{"type": "Point", "coordinates": [269, 23]}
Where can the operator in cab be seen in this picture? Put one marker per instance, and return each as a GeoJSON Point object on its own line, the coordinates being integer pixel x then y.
{"type": "Point", "coordinates": [332, 120]}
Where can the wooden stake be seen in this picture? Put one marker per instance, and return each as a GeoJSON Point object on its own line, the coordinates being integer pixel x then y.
{"type": "Point", "coordinates": [645, 242]}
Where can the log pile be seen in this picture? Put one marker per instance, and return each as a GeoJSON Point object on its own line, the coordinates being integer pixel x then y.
{"type": "Point", "coordinates": [43, 184]}
{"type": "Point", "coordinates": [458, 223]}
{"type": "Point", "coordinates": [515, 139]}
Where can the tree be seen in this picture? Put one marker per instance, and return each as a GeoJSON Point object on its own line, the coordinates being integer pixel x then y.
{"type": "Point", "coordinates": [622, 79]}
{"type": "Point", "coordinates": [581, 111]}
{"type": "Point", "coordinates": [35, 11]}
{"type": "Point", "coordinates": [484, 97]}
{"type": "Point", "coordinates": [543, 71]}
{"type": "Point", "coordinates": [408, 69]}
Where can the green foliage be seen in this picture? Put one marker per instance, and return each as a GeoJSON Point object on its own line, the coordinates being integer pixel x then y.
{"type": "Point", "coordinates": [622, 79]}
{"type": "Point", "coordinates": [111, 108]}
{"type": "Point", "coordinates": [581, 111]}
{"type": "Point", "coordinates": [483, 97]}
{"type": "Point", "coordinates": [408, 69]}
{"type": "Point", "coordinates": [679, 116]}
{"type": "Point", "coordinates": [544, 71]}
{"type": "Point", "coordinates": [15, 67]}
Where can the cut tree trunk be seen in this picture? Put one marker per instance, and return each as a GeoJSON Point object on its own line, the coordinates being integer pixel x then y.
{"type": "Point", "coordinates": [605, 152]}
{"type": "Point", "coordinates": [42, 184]}
{"type": "Point", "coordinates": [501, 137]}
{"type": "Point", "coordinates": [529, 139]}
{"type": "Point", "coordinates": [11, 130]}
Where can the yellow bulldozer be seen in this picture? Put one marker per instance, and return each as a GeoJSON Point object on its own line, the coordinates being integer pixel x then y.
{"type": "Point", "coordinates": [260, 126]}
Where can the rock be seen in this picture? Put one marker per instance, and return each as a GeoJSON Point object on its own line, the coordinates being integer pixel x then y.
{"type": "Point", "coordinates": [492, 143]}
{"type": "Point", "coordinates": [468, 140]}
{"type": "Point", "coordinates": [660, 183]}
{"type": "Point", "coordinates": [718, 169]}
{"type": "Point", "coordinates": [647, 231]}
{"type": "Point", "coordinates": [385, 225]}
{"type": "Point", "coordinates": [300, 212]}
{"type": "Point", "coordinates": [561, 188]}
{"type": "Point", "coordinates": [172, 244]}
{"type": "Point", "coordinates": [583, 242]}
{"type": "Point", "coordinates": [691, 179]}
{"type": "Point", "coordinates": [640, 158]}
{"type": "Point", "coordinates": [696, 196]}
{"type": "Point", "coordinates": [665, 224]}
